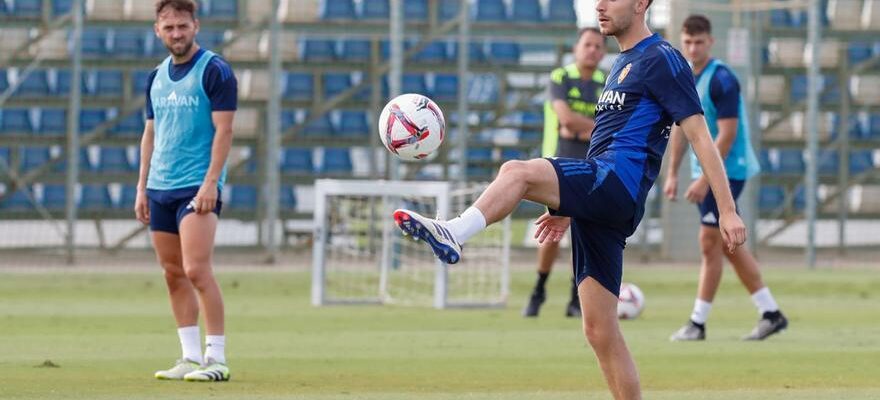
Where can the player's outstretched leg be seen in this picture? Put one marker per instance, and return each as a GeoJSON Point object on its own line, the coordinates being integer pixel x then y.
{"type": "Point", "coordinates": [533, 180]}
{"type": "Point", "coordinates": [772, 320]}
{"type": "Point", "coordinates": [602, 331]}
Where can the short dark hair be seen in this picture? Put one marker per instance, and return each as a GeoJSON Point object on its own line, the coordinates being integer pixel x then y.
{"type": "Point", "coordinates": [584, 31]}
{"type": "Point", "coordinates": [696, 24]}
{"type": "Point", "coordinates": [189, 6]}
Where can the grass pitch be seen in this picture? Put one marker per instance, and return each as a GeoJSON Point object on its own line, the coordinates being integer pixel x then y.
{"type": "Point", "coordinates": [101, 336]}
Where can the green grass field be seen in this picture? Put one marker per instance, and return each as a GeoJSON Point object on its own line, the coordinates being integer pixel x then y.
{"type": "Point", "coordinates": [108, 332]}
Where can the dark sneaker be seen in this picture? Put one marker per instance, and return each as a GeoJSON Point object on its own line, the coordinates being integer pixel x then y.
{"type": "Point", "coordinates": [573, 309]}
{"type": "Point", "coordinates": [771, 322]}
{"type": "Point", "coordinates": [691, 331]}
{"type": "Point", "coordinates": [534, 307]}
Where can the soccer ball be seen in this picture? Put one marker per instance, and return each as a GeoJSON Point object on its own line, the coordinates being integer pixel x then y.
{"type": "Point", "coordinates": [412, 126]}
{"type": "Point", "coordinates": [631, 301]}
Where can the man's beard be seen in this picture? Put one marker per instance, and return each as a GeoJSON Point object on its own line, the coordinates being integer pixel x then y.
{"type": "Point", "coordinates": [186, 48]}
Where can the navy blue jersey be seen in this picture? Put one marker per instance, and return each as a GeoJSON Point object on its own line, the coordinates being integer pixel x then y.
{"type": "Point", "coordinates": [218, 81]}
{"type": "Point", "coordinates": [649, 87]}
{"type": "Point", "coordinates": [724, 91]}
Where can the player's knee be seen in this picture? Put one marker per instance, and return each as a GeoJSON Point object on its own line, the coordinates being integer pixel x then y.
{"type": "Point", "coordinates": [597, 333]}
{"type": "Point", "coordinates": [710, 240]}
{"type": "Point", "coordinates": [515, 169]}
{"type": "Point", "coordinates": [199, 275]}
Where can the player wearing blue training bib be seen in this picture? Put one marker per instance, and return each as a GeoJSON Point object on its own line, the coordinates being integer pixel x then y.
{"type": "Point", "coordinates": [602, 197]}
{"type": "Point", "coordinates": [726, 116]}
{"type": "Point", "coordinates": [191, 99]}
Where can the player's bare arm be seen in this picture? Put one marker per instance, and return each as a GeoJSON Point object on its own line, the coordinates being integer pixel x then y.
{"type": "Point", "coordinates": [727, 127]}
{"type": "Point", "coordinates": [733, 230]}
{"type": "Point", "coordinates": [206, 199]}
{"type": "Point", "coordinates": [141, 206]}
{"type": "Point", "coordinates": [573, 125]}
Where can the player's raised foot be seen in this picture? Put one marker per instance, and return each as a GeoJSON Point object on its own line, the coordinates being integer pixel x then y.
{"type": "Point", "coordinates": [771, 322]}
{"type": "Point", "coordinates": [431, 231]}
{"type": "Point", "coordinates": [691, 331]}
{"type": "Point", "coordinates": [211, 372]}
{"type": "Point", "coordinates": [534, 306]}
{"type": "Point", "coordinates": [573, 309]}
{"type": "Point", "coordinates": [178, 371]}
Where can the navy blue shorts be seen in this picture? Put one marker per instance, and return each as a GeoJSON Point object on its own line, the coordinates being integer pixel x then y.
{"type": "Point", "coordinates": [602, 217]}
{"type": "Point", "coordinates": [168, 207]}
{"type": "Point", "coordinates": [709, 207]}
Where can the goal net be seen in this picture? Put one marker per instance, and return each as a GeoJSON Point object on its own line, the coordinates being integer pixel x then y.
{"type": "Point", "coordinates": [360, 257]}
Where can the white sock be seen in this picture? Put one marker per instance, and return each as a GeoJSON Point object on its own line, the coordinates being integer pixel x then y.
{"type": "Point", "coordinates": [764, 300]}
{"type": "Point", "coordinates": [215, 346]}
{"type": "Point", "coordinates": [701, 311]}
{"type": "Point", "coordinates": [190, 343]}
{"type": "Point", "coordinates": [468, 224]}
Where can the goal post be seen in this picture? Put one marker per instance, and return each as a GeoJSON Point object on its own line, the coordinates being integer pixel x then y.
{"type": "Point", "coordinates": [360, 257]}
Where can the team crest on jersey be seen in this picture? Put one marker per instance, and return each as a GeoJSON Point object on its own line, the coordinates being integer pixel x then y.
{"type": "Point", "coordinates": [624, 73]}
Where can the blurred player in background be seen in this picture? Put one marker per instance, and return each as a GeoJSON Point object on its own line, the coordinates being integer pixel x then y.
{"type": "Point", "coordinates": [650, 87]}
{"type": "Point", "coordinates": [191, 99]}
{"type": "Point", "coordinates": [725, 113]}
{"type": "Point", "coordinates": [568, 122]}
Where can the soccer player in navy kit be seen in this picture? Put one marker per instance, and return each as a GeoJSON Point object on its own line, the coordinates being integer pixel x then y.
{"type": "Point", "coordinates": [191, 99]}
{"type": "Point", "coordinates": [602, 197]}
{"type": "Point", "coordinates": [726, 116]}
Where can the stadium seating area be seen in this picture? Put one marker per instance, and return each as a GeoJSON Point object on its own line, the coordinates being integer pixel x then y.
{"type": "Point", "coordinates": [120, 49]}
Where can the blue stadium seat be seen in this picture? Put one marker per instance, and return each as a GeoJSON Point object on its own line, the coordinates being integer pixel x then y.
{"type": "Point", "coordinates": [62, 83]}
{"type": "Point", "coordinates": [139, 82]}
{"type": "Point", "coordinates": [798, 88]}
{"type": "Point", "coordinates": [771, 197]}
{"type": "Point", "coordinates": [353, 124]}
{"type": "Point", "coordinates": [859, 51]}
{"type": "Point", "coordinates": [4, 80]}
{"type": "Point", "coordinates": [873, 128]}
{"type": "Point", "coordinates": [504, 53]}
{"type": "Point", "coordinates": [108, 83]}
{"type": "Point", "coordinates": [855, 126]}
{"type": "Point", "coordinates": [479, 154]}
{"type": "Point", "coordinates": [829, 162]}
{"type": "Point", "coordinates": [376, 9]}
{"type": "Point", "coordinates": [222, 9]}
{"type": "Point", "coordinates": [16, 120]}
{"type": "Point", "coordinates": [322, 126]}
{"type": "Point", "coordinates": [800, 198]}
{"type": "Point", "coordinates": [297, 160]}
{"type": "Point", "coordinates": [288, 120]}
{"type": "Point", "coordinates": [288, 197]}
{"type": "Point", "coordinates": [35, 83]}
{"type": "Point", "coordinates": [414, 83]}
{"type": "Point", "coordinates": [337, 161]}
{"type": "Point", "coordinates": [132, 125]}
{"type": "Point", "coordinates": [243, 197]}
{"type": "Point", "coordinates": [415, 10]}
{"type": "Point", "coordinates": [94, 42]}
{"type": "Point", "coordinates": [33, 157]}
{"type": "Point", "coordinates": [95, 198]}
{"type": "Point", "coordinates": [514, 154]}
{"type": "Point", "coordinates": [490, 11]}
{"type": "Point", "coordinates": [55, 197]}
{"type": "Point", "coordinates": [335, 83]}
{"type": "Point", "coordinates": [861, 161]}
{"type": "Point", "coordinates": [533, 119]}
{"type": "Point", "coordinates": [114, 159]}
{"type": "Point", "coordinates": [433, 52]}
{"type": "Point", "coordinates": [449, 9]}
{"type": "Point", "coordinates": [526, 11]}
{"type": "Point", "coordinates": [131, 42]}
{"type": "Point", "coordinates": [27, 8]}
{"type": "Point", "coordinates": [445, 87]}
{"type": "Point", "coordinates": [85, 163]}
{"type": "Point", "coordinates": [210, 39]}
{"type": "Point", "coordinates": [780, 18]}
{"type": "Point", "coordinates": [62, 7]}
{"type": "Point", "coordinates": [17, 201]}
{"type": "Point", "coordinates": [127, 197]}
{"type": "Point", "coordinates": [791, 161]}
{"type": "Point", "coordinates": [767, 166]}
{"type": "Point", "coordinates": [299, 86]}
{"type": "Point", "coordinates": [4, 10]}
{"type": "Point", "coordinates": [337, 9]}
{"type": "Point", "coordinates": [318, 50]}
{"type": "Point", "coordinates": [831, 90]}
{"type": "Point", "coordinates": [53, 122]}
{"type": "Point", "coordinates": [561, 11]}
{"type": "Point", "coordinates": [355, 50]}
{"type": "Point", "coordinates": [89, 119]}
{"type": "Point", "coordinates": [476, 54]}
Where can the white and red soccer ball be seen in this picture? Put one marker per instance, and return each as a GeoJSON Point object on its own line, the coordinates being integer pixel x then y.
{"type": "Point", "coordinates": [412, 126]}
{"type": "Point", "coordinates": [631, 301]}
